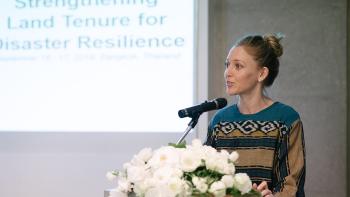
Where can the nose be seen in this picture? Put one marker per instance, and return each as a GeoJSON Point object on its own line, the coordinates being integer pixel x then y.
{"type": "Point", "coordinates": [228, 72]}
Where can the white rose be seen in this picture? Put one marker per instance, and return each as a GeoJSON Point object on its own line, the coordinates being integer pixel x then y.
{"type": "Point", "coordinates": [214, 160]}
{"type": "Point", "coordinates": [233, 156]}
{"type": "Point", "coordinates": [145, 154]}
{"type": "Point", "coordinates": [142, 157]}
{"type": "Point", "coordinates": [196, 143]}
{"type": "Point", "coordinates": [200, 184]}
{"type": "Point", "coordinates": [137, 162]}
{"type": "Point", "coordinates": [224, 154]}
{"type": "Point", "coordinates": [227, 180]}
{"type": "Point", "coordinates": [137, 173]}
{"type": "Point", "coordinates": [167, 155]}
{"type": "Point", "coordinates": [111, 176]}
{"type": "Point", "coordinates": [190, 161]}
{"type": "Point", "coordinates": [199, 151]}
{"type": "Point", "coordinates": [124, 185]}
{"type": "Point", "coordinates": [242, 182]}
{"type": "Point", "coordinates": [176, 186]}
{"type": "Point", "coordinates": [203, 187]}
{"type": "Point", "coordinates": [222, 167]}
{"type": "Point", "coordinates": [187, 189]}
{"type": "Point", "coordinates": [159, 191]}
{"type": "Point", "coordinates": [126, 165]}
{"type": "Point", "coordinates": [150, 182]}
{"type": "Point", "coordinates": [209, 150]}
{"type": "Point", "coordinates": [229, 168]}
{"type": "Point", "coordinates": [155, 192]}
{"type": "Point", "coordinates": [218, 162]}
{"type": "Point", "coordinates": [176, 172]}
{"type": "Point", "coordinates": [195, 180]}
{"type": "Point", "coordinates": [141, 188]}
{"type": "Point", "coordinates": [164, 174]}
{"type": "Point", "coordinates": [218, 189]}
{"type": "Point", "coordinates": [211, 160]}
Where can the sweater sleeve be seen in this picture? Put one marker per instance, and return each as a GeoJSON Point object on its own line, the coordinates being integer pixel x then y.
{"type": "Point", "coordinates": [210, 136]}
{"type": "Point", "coordinates": [290, 166]}
{"type": "Point", "coordinates": [211, 133]}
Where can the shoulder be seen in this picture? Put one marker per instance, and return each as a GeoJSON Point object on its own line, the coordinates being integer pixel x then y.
{"type": "Point", "coordinates": [288, 114]}
{"type": "Point", "coordinates": [225, 113]}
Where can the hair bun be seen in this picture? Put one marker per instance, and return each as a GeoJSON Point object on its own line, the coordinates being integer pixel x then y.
{"type": "Point", "coordinates": [273, 40]}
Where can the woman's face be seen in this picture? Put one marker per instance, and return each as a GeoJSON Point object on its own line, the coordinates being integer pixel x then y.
{"type": "Point", "coordinates": [242, 74]}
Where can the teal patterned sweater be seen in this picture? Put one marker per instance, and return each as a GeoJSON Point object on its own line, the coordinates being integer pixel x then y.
{"type": "Point", "coordinates": [270, 144]}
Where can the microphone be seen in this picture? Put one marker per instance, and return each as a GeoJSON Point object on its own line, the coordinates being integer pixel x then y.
{"type": "Point", "coordinates": [204, 107]}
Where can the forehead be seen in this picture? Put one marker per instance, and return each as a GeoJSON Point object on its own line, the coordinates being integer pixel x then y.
{"type": "Point", "coordinates": [239, 53]}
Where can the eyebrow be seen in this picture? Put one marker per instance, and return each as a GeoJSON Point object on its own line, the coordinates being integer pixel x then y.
{"type": "Point", "coordinates": [235, 60]}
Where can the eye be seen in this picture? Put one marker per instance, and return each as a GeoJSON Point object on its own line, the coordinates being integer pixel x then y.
{"type": "Point", "coordinates": [227, 64]}
{"type": "Point", "coordinates": [238, 66]}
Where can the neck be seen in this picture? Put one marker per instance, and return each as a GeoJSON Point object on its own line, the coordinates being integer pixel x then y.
{"type": "Point", "coordinates": [253, 103]}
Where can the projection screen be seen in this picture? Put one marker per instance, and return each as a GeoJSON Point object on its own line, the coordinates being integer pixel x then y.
{"type": "Point", "coordinates": [96, 65]}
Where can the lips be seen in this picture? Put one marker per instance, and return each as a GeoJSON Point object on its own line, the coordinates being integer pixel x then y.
{"type": "Point", "coordinates": [229, 84]}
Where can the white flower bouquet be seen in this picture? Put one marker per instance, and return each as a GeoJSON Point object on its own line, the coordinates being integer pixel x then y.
{"type": "Point", "coordinates": [182, 170]}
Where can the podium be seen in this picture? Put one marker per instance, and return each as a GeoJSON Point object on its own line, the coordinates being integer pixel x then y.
{"type": "Point", "coordinates": [106, 192]}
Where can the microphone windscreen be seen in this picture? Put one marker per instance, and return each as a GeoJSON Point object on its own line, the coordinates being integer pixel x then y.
{"type": "Point", "coordinates": [221, 102]}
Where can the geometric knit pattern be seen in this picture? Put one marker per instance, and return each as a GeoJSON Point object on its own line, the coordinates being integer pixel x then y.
{"type": "Point", "coordinates": [249, 126]}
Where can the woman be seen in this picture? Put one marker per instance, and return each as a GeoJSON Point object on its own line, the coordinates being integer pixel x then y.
{"type": "Point", "coordinates": [268, 135]}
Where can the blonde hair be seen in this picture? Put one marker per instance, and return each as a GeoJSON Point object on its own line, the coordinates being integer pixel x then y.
{"type": "Point", "coordinates": [266, 49]}
{"type": "Point", "coordinates": [273, 40]}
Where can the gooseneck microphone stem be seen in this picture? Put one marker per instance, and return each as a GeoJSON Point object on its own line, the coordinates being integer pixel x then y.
{"type": "Point", "coordinates": [195, 111]}
{"type": "Point", "coordinates": [191, 125]}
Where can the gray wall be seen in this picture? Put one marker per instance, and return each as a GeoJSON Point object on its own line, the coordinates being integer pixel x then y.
{"type": "Point", "coordinates": [348, 98]}
{"type": "Point", "coordinates": [312, 76]}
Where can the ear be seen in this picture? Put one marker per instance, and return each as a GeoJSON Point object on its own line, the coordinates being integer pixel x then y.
{"type": "Point", "coordinates": [264, 72]}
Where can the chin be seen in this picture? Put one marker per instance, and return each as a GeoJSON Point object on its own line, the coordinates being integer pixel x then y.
{"type": "Point", "coordinates": [231, 92]}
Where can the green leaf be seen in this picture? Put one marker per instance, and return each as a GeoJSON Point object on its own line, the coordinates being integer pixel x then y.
{"type": "Point", "coordinates": [235, 192]}
{"type": "Point", "coordinates": [181, 145]}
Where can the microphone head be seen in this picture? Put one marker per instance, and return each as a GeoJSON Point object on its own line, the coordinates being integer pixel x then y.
{"type": "Point", "coordinates": [204, 107]}
{"type": "Point", "coordinates": [220, 103]}
{"type": "Point", "coordinates": [182, 113]}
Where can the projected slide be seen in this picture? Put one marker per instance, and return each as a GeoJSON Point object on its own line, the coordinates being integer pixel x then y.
{"type": "Point", "coordinates": [95, 65]}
